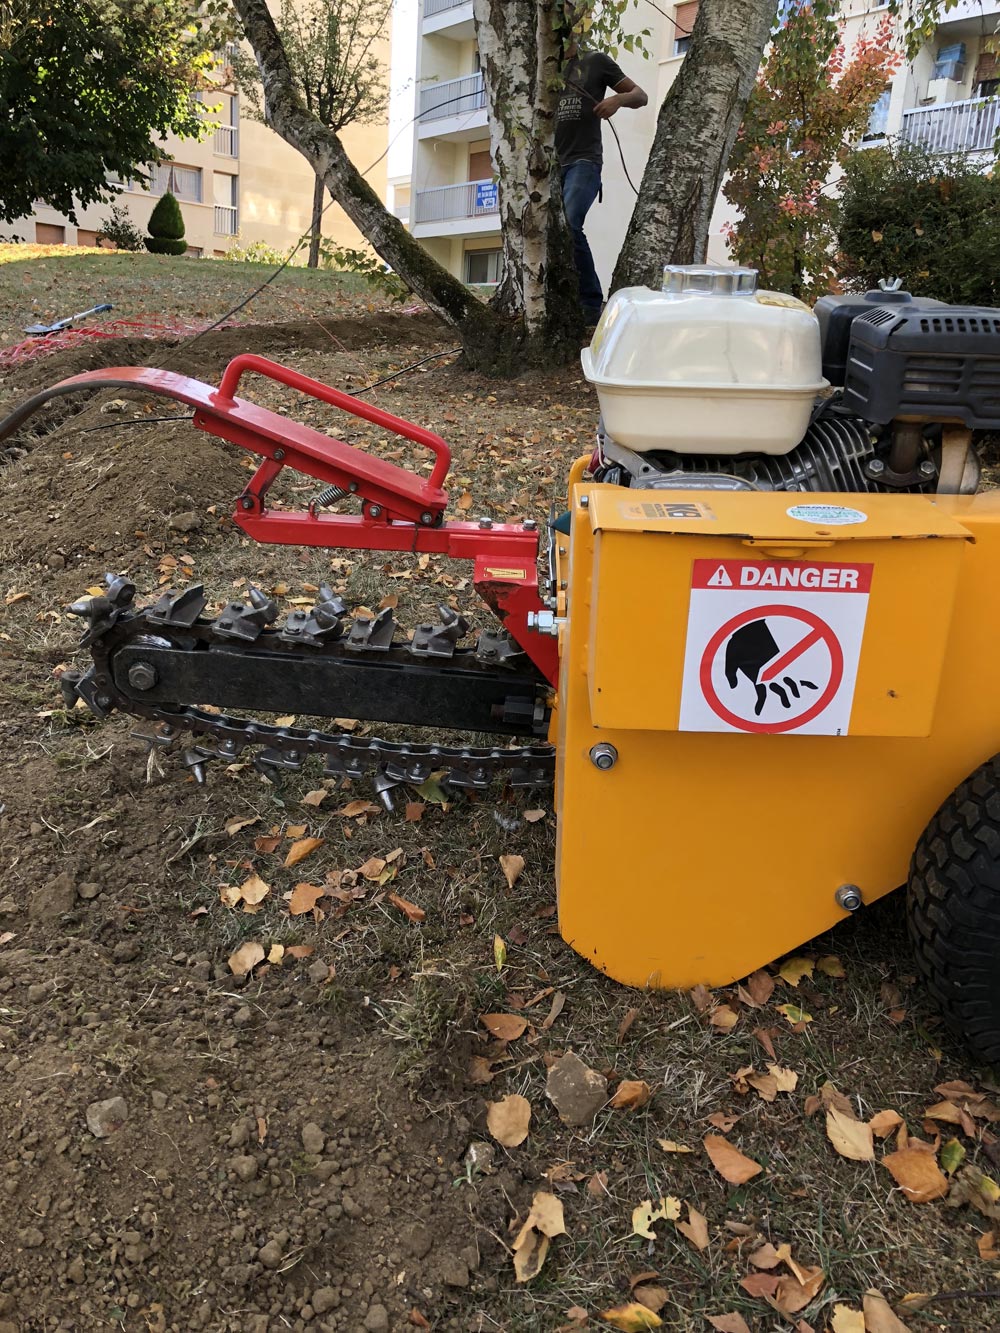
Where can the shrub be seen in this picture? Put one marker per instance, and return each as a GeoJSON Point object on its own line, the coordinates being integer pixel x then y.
{"type": "Point", "coordinates": [930, 220]}
{"type": "Point", "coordinates": [120, 230]}
{"type": "Point", "coordinates": [166, 228]}
{"type": "Point", "coordinates": [255, 252]}
{"type": "Point", "coordinates": [365, 265]}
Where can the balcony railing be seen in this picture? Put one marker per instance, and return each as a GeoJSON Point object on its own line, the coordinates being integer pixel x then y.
{"type": "Point", "coordinates": [227, 220]}
{"type": "Point", "coordinates": [226, 141]}
{"type": "Point", "coordinates": [470, 199]}
{"type": "Point", "coordinates": [954, 127]}
{"type": "Point", "coordinates": [455, 97]}
{"type": "Point", "coordinates": [432, 7]}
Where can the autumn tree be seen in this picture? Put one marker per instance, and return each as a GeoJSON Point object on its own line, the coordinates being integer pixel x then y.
{"type": "Point", "coordinates": [331, 48]}
{"type": "Point", "coordinates": [811, 102]}
{"type": "Point", "coordinates": [88, 88]}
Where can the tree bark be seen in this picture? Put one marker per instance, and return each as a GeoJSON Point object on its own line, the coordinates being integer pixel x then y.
{"type": "Point", "coordinates": [317, 222]}
{"type": "Point", "coordinates": [695, 132]}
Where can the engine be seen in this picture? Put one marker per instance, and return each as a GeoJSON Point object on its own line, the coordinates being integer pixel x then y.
{"type": "Point", "coordinates": [714, 384]}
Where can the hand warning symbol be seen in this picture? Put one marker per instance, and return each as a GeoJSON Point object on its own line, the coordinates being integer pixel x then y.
{"type": "Point", "coordinates": [749, 651]}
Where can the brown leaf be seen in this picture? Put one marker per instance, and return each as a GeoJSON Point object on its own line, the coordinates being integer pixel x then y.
{"type": "Point", "coordinates": [410, 910]}
{"type": "Point", "coordinates": [353, 809]}
{"type": "Point", "coordinates": [695, 1228]}
{"type": "Point", "coordinates": [300, 849]}
{"type": "Point", "coordinates": [651, 1295]}
{"type": "Point", "coordinates": [723, 1017]}
{"type": "Point", "coordinates": [730, 1163]}
{"type": "Point", "coordinates": [253, 892]}
{"type": "Point", "coordinates": [793, 1295]}
{"type": "Point", "coordinates": [246, 958]}
{"type": "Point", "coordinates": [304, 898]}
{"type": "Point", "coordinates": [630, 1016]}
{"type": "Point", "coordinates": [372, 868]}
{"type": "Point", "coordinates": [846, 1320]}
{"type": "Point", "coordinates": [544, 1220]}
{"type": "Point", "coordinates": [701, 998]}
{"type": "Point", "coordinates": [512, 866]}
{"type": "Point", "coordinates": [723, 1121]}
{"type": "Point", "coordinates": [760, 1284]}
{"type": "Point", "coordinates": [555, 1009]}
{"type": "Point", "coordinates": [300, 950]}
{"type": "Point", "coordinates": [986, 1244]}
{"type": "Point", "coordinates": [508, 1119]}
{"type": "Point", "coordinates": [464, 501]}
{"type": "Point", "coordinates": [505, 1027]}
{"type": "Point", "coordinates": [884, 1122]}
{"type": "Point", "coordinates": [631, 1094]}
{"type": "Point", "coordinates": [266, 845]}
{"type": "Point", "coordinates": [632, 1318]}
{"type": "Point", "coordinates": [917, 1174]}
{"type": "Point", "coordinates": [533, 816]}
{"type": "Point", "coordinates": [760, 987]}
{"type": "Point", "coordinates": [315, 798]}
{"type": "Point", "coordinates": [765, 1256]}
{"type": "Point", "coordinates": [417, 1320]}
{"type": "Point", "coordinates": [414, 811]}
{"type": "Point", "coordinates": [766, 1085]}
{"type": "Point", "coordinates": [597, 1185]}
{"type": "Point", "coordinates": [764, 1036]}
{"type": "Point", "coordinates": [294, 830]}
{"type": "Point", "coordinates": [668, 1145]}
{"type": "Point", "coordinates": [480, 1070]}
{"type": "Point", "coordinates": [728, 1323]}
{"type": "Point", "coordinates": [850, 1137]}
{"type": "Point", "coordinates": [879, 1317]}
{"type": "Point", "coordinates": [235, 825]}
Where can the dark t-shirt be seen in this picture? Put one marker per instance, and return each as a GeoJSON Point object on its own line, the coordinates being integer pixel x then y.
{"type": "Point", "coordinates": [578, 130]}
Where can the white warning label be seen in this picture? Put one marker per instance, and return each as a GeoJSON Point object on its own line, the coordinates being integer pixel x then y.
{"type": "Point", "coordinates": [773, 646]}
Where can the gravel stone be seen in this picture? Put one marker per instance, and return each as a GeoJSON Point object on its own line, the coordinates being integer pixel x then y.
{"type": "Point", "coordinates": [104, 1118]}
{"type": "Point", "coordinates": [324, 1299]}
{"type": "Point", "coordinates": [271, 1254]}
{"type": "Point", "coordinates": [189, 522]}
{"type": "Point", "coordinates": [88, 890]}
{"type": "Point", "coordinates": [54, 899]}
{"type": "Point", "coordinates": [31, 1238]}
{"type": "Point", "coordinates": [455, 1271]}
{"type": "Point", "coordinates": [127, 950]}
{"type": "Point", "coordinates": [318, 972]}
{"type": "Point", "coordinates": [377, 1319]}
{"type": "Point", "coordinates": [313, 1138]}
{"type": "Point", "coordinates": [244, 1168]}
{"type": "Point", "coordinates": [576, 1091]}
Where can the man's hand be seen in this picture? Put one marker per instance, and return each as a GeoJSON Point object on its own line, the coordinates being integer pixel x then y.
{"type": "Point", "coordinates": [606, 109]}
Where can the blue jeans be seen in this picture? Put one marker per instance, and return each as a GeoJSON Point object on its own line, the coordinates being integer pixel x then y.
{"type": "Point", "coordinates": [581, 183]}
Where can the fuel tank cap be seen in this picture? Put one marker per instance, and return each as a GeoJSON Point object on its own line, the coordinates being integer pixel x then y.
{"type": "Point", "coordinates": [708, 280]}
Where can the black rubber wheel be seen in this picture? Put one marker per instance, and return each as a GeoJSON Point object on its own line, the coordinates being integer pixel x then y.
{"type": "Point", "coordinates": [953, 910]}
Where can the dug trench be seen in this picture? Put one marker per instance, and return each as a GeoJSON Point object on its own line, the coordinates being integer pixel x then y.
{"type": "Point", "coordinates": [305, 1146]}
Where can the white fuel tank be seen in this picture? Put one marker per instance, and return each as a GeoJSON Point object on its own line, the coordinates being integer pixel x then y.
{"type": "Point", "coordinates": [708, 365]}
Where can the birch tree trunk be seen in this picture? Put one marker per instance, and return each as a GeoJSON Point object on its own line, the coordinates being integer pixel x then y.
{"type": "Point", "coordinates": [695, 132]}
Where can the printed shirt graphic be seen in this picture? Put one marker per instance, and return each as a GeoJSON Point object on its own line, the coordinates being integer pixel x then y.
{"type": "Point", "coordinates": [578, 130]}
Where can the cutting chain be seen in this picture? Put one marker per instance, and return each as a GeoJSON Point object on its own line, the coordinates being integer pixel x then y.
{"type": "Point", "coordinates": [138, 653]}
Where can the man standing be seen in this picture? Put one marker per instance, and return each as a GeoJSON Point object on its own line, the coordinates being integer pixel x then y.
{"type": "Point", "coordinates": [582, 107]}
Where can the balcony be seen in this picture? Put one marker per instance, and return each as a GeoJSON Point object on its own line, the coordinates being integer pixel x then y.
{"type": "Point", "coordinates": [449, 18]}
{"type": "Point", "coordinates": [227, 220]}
{"type": "Point", "coordinates": [225, 141]}
{"type": "Point", "coordinates": [455, 109]}
{"type": "Point", "coordinates": [448, 203]}
{"type": "Point", "coordinates": [954, 127]}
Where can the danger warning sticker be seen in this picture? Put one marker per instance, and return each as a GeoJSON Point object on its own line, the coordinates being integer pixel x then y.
{"type": "Point", "coordinates": [773, 646]}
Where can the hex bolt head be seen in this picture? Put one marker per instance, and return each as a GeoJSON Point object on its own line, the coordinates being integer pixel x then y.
{"type": "Point", "coordinates": [246, 503]}
{"type": "Point", "coordinates": [485, 523]}
{"type": "Point", "coordinates": [849, 897]}
{"type": "Point", "coordinates": [142, 675]}
{"type": "Point", "coordinates": [603, 756]}
{"type": "Point", "coordinates": [927, 468]}
{"type": "Point", "coordinates": [584, 501]}
{"type": "Point", "coordinates": [876, 467]}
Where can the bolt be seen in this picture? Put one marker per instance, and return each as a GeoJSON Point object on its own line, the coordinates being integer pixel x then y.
{"type": "Point", "coordinates": [426, 519]}
{"type": "Point", "coordinates": [353, 487]}
{"type": "Point", "coordinates": [142, 676]}
{"type": "Point", "coordinates": [584, 501]}
{"type": "Point", "coordinates": [485, 523]}
{"type": "Point", "coordinates": [876, 467]}
{"type": "Point", "coordinates": [530, 525]}
{"type": "Point", "coordinates": [543, 622]}
{"type": "Point", "coordinates": [848, 897]}
{"type": "Point", "coordinates": [246, 502]}
{"type": "Point", "coordinates": [374, 511]}
{"type": "Point", "coordinates": [279, 455]}
{"type": "Point", "coordinates": [927, 468]}
{"type": "Point", "coordinates": [603, 756]}
{"type": "Point", "coordinates": [104, 701]}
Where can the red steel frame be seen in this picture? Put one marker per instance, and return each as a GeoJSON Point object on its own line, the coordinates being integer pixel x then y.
{"type": "Point", "coordinates": [400, 510]}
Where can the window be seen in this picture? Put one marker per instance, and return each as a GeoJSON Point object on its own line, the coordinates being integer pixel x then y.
{"type": "Point", "coordinates": [878, 121]}
{"type": "Point", "coordinates": [47, 233]}
{"type": "Point", "coordinates": [84, 237]}
{"type": "Point", "coordinates": [483, 266]}
{"type": "Point", "coordinates": [683, 22]}
{"type": "Point", "coordinates": [950, 62]}
{"type": "Point", "coordinates": [182, 182]}
{"type": "Point", "coordinates": [480, 163]}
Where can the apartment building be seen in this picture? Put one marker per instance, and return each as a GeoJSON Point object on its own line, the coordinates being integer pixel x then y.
{"type": "Point", "coordinates": [942, 99]}
{"type": "Point", "coordinates": [241, 182]}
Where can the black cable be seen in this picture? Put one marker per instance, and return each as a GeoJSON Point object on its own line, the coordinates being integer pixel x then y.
{"type": "Point", "coordinates": [621, 152]}
{"type": "Point", "coordinates": [134, 421]}
{"type": "Point", "coordinates": [386, 379]}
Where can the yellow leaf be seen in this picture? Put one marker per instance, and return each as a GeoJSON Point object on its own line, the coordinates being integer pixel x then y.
{"type": "Point", "coordinates": [644, 1215]}
{"type": "Point", "coordinates": [230, 895]}
{"type": "Point", "coordinates": [952, 1155]}
{"type": "Point", "coordinates": [235, 825]}
{"type": "Point", "coordinates": [876, 236]}
{"type": "Point", "coordinates": [284, 721]}
{"type": "Point", "coordinates": [793, 970]}
{"type": "Point", "coordinates": [831, 966]}
{"type": "Point", "coordinates": [464, 501]}
{"type": "Point", "coordinates": [884, 1122]}
{"type": "Point", "coordinates": [724, 1017]}
{"type": "Point", "coordinates": [531, 1244]}
{"type": "Point", "coordinates": [730, 1163]}
{"type": "Point", "coordinates": [246, 958]}
{"type": "Point", "coordinates": [304, 898]}
{"type": "Point", "coordinates": [632, 1318]}
{"type": "Point", "coordinates": [879, 1317]}
{"type": "Point", "coordinates": [850, 1137]}
{"type": "Point", "coordinates": [512, 867]}
{"type": "Point", "coordinates": [631, 1094]}
{"type": "Point", "coordinates": [987, 1246]}
{"type": "Point", "coordinates": [668, 1145]}
{"type": "Point", "coordinates": [917, 1174]}
{"type": "Point", "coordinates": [846, 1320]}
{"type": "Point", "coordinates": [276, 953]}
{"type": "Point", "coordinates": [499, 952]}
{"type": "Point", "coordinates": [695, 1228]}
{"type": "Point", "coordinates": [794, 1014]}
{"type": "Point", "coordinates": [508, 1119]}
{"type": "Point", "coordinates": [300, 849]}
{"type": "Point", "coordinates": [254, 891]}
{"type": "Point", "coordinates": [786, 1079]}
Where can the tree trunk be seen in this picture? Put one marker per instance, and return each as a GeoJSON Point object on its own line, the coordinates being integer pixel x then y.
{"type": "Point", "coordinates": [695, 132]}
{"type": "Point", "coordinates": [317, 221]}
{"type": "Point", "coordinates": [491, 341]}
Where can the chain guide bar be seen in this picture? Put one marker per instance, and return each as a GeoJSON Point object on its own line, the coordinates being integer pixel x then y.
{"type": "Point", "coordinates": [132, 647]}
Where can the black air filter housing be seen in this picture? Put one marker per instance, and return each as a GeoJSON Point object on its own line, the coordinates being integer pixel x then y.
{"type": "Point", "coordinates": [836, 314]}
{"type": "Point", "coordinates": [928, 365]}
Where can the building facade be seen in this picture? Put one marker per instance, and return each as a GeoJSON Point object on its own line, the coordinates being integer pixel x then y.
{"type": "Point", "coordinates": [241, 182]}
{"type": "Point", "coordinates": [942, 99]}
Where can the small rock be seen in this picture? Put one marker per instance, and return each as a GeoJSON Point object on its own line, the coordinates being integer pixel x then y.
{"type": "Point", "coordinates": [88, 890]}
{"type": "Point", "coordinates": [38, 993]}
{"type": "Point", "coordinates": [479, 1156]}
{"type": "Point", "coordinates": [318, 972]}
{"type": "Point", "coordinates": [313, 1139]}
{"type": "Point", "coordinates": [576, 1091]}
{"type": "Point", "coordinates": [31, 1238]}
{"type": "Point", "coordinates": [159, 1100]}
{"type": "Point", "coordinates": [126, 950]}
{"type": "Point", "coordinates": [104, 1118]}
{"type": "Point", "coordinates": [324, 1299]}
{"type": "Point", "coordinates": [75, 1271]}
{"type": "Point", "coordinates": [189, 522]}
{"type": "Point", "coordinates": [243, 1017]}
{"type": "Point", "coordinates": [271, 1254]}
{"type": "Point", "coordinates": [8, 907]}
{"type": "Point", "coordinates": [239, 1134]}
{"type": "Point", "coordinates": [114, 407]}
{"type": "Point", "coordinates": [53, 899]}
{"type": "Point", "coordinates": [454, 1271]}
{"type": "Point", "coordinates": [418, 1239]}
{"type": "Point", "coordinates": [377, 1319]}
{"type": "Point", "coordinates": [56, 560]}
{"type": "Point", "coordinates": [244, 1168]}
{"type": "Point", "coordinates": [202, 971]}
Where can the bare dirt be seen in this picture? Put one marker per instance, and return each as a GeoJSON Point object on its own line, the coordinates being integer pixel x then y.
{"type": "Point", "coordinates": [295, 1149]}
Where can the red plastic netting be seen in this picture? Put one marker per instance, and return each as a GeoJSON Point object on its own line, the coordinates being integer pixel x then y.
{"type": "Point", "coordinates": [31, 348]}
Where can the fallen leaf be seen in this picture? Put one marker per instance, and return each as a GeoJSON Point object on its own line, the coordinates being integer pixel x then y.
{"type": "Point", "coordinates": [846, 1320]}
{"type": "Point", "coordinates": [508, 1119]}
{"type": "Point", "coordinates": [285, 721]}
{"type": "Point", "coordinates": [793, 1294]}
{"type": "Point", "coordinates": [555, 1009]}
{"type": "Point", "coordinates": [597, 1185]}
{"type": "Point", "coordinates": [831, 966]}
{"type": "Point", "coordinates": [464, 501]}
{"type": "Point", "coordinates": [7, 936]}
{"type": "Point", "coordinates": [884, 1122]}
{"type": "Point", "coordinates": [724, 1017]}
{"type": "Point", "coordinates": [728, 1323]}
{"type": "Point", "coordinates": [499, 951]}
{"type": "Point", "coordinates": [631, 1094]}
{"type": "Point", "coordinates": [723, 1121]}
{"type": "Point", "coordinates": [794, 969]}
{"type": "Point", "coordinates": [879, 1317]}
{"type": "Point", "coordinates": [730, 1163]}
{"type": "Point", "coordinates": [512, 866]}
{"type": "Point", "coordinates": [276, 953]}
{"type": "Point", "coordinates": [505, 1027]}
{"type": "Point", "coordinates": [414, 811]}
{"type": "Point", "coordinates": [300, 849]}
{"type": "Point", "coordinates": [668, 1145]}
{"type": "Point", "coordinates": [533, 816]}
{"type": "Point", "coordinates": [354, 809]}
{"type": "Point", "coordinates": [632, 1318]}
{"type": "Point", "coordinates": [952, 1156]}
{"type": "Point", "coordinates": [701, 998]}
{"type": "Point", "coordinates": [316, 797]}
{"type": "Point", "coordinates": [630, 1016]}
{"type": "Point", "coordinates": [987, 1246]}
{"type": "Point", "coordinates": [786, 1079]}
{"type": "Point", "coordinates": [300, 950]}
{"type": "Point", "coordinates": [651, 1295]}
{"type": "Point", "coordinates": [794, 1013]}
{"type": "Point", "coordinates": [760, 1284]}
{"type": "Point", "coordinates": [765, 1256]}
{"type": "Point", "coordinates": [230, 895]}
{"type": "Point", "coordinates": [266, 845]}
{"type": "Point", "coordinates": [304, 898]}
{"type": "Point", "coordinates": [372, 868]}
{"type": "Point", "coordinates": [254, 891]}
{"type": "Point", "coordinates": [235, 825]}
{"type": "Point", "coordinates": [417, 1320]}
{"type": "Point", "coordinates": [246, 958]}
{"type": "Point", "coordinates": [576, 1314]}
{"type": "Point", "coordinates": [544, 1220]}
{"type": "Point", "coordinates": [851, 1138]}
{"type": "Point", "coordinates": [695, 1228]}
{"type": "Point", "coordinates": [760, 987]}
{"type": "Point", "coordinates": [410, 910]}
{"type": "Point", "coordinates": [644, 1215]}
{"type": "Point", "coordinates": [917, 1174]}
{"type": "Point", "coordinates": [876, 236]}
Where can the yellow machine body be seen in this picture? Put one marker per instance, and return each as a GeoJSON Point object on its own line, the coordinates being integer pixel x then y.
{"type": "Point", "coordinates": [717, 839]}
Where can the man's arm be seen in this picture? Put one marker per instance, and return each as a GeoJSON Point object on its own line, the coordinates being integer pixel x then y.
{"type": "Point", "coordinates": [627, 94]}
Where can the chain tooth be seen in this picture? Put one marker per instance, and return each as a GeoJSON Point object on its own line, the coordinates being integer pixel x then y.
{"type": "Point", "coordinates": [320, 625]}
{"type": "Point", "coordinates": [384, 786]}
{"type": "Point", "coordinates": [372, 636]}
{"type": "Point", "coordinates": [439, 640]}
{"type": "Point", "coordinates": [498, 649]}
{"type": "Point", "coordinates": [195, 760]}
{"type": "Point", "coordinates": [180, 609]}
{"type": "Point", "coordinates": [273, 761]}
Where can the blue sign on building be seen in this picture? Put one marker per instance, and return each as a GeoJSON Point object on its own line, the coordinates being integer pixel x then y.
{"type": "Point", "coordinates": [487, 197]}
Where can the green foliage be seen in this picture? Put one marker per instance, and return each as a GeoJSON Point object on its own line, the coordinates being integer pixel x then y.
{"type": "Point", "coordinates": [932, 221]}
{"type": "Point", "coordinates": [165, 245]}
{"type": "Point", "coordinates": [166, 221]}
{"type": "Point", "coordinates": [255, 252]}
{"type": "Point", "coordinates": [810, 101]}
{"type": "Point", "coordinates": [120, 230]}
{"type": "Point", "coordinates": [88, 89]}
{"type": "Point", "coordinates": [366, 265]}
